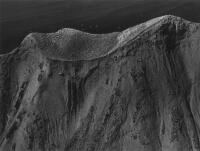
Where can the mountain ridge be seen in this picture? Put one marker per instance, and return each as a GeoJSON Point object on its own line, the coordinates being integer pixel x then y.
{"type": "Point", "coordinates": [117, 35]}
{"type": "Point", "coordinates": [71, 91]}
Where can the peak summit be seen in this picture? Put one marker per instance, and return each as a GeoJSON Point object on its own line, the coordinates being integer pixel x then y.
{"type": "Point", "coordinates": [132, 90]}
{"type": "Point", "coordinates": [71, 44]}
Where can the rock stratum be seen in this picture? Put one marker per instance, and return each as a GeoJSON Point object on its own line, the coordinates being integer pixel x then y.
{"type": "Point", "coordinates": [137, 90]}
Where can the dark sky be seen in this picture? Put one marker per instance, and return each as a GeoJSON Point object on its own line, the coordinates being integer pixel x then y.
{"type": "Point", "coordinates": [96, 0]}
{"type": "Point", "coordinates": [84, 0]}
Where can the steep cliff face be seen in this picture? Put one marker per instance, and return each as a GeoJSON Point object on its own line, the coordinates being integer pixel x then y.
{"type": "Point", "coordinates": [137, 90]}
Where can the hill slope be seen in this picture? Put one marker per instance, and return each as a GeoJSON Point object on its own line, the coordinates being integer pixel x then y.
{"type": "Point", "coordinates": [132, 90]}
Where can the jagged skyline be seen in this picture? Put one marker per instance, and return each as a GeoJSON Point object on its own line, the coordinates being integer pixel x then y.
{"type": "Point", "coordinates": [19, 18]}
{"type": "Point", "coordinates": [132, 90]}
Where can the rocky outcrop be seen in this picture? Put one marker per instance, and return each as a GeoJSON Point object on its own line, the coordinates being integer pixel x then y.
{"type": "Point", "coordinates": [137, 90]}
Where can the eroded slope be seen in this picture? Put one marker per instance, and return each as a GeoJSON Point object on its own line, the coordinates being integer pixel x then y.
{"type": "Point", "coordinates": [137, 90]}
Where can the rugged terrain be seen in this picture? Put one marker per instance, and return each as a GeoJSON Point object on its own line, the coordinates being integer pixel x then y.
{"type": "Point", "coordinates": [136, 90]}
{"type": "Point", "coordinates": [21, 17]}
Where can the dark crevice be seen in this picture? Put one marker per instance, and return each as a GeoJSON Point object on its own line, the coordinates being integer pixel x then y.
{"type": "Point", "coordinates": [21, 94]}
{"type": "Point", "coordinates": [76, 92]}
{"type": "Point", "coordinates": [6, 99]}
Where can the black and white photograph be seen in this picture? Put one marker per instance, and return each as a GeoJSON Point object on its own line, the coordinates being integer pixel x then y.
{"type": "Point", "coordinates": [99, 75]}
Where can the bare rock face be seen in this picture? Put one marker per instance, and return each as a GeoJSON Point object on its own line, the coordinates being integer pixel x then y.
{"type": "Point", "coordinates": [137, 90]}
